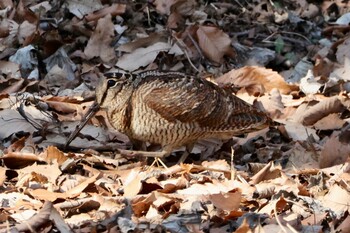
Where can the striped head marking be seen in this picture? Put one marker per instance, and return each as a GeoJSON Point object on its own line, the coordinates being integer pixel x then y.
{"type": "Point", "coordinates": [112, 87]}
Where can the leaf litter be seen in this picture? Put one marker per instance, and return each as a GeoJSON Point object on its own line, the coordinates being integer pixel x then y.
{"type": "Point", "coordinates": [289, 59]}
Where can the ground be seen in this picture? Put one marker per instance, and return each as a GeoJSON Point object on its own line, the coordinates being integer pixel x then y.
{"type": "Point", "coordinates": [291, 59]}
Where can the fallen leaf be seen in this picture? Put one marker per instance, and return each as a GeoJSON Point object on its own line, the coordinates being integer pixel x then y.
{"type": "Point", "coordinates": [52, 154]}
{"type": "Point", "coordinates": [163, 6]}
{"type": "Point", "coordinates": [299, 132]}
{"type": "Point", "coordinates": [321, 109]}
{"type": "Point", "coordinates": [142, 42]}
{"type": "Point", "coordinates": [256, 76]}
{"type": "Point", "coordinates": [99, 44]}
{"type": "Point", "coordinates": [214, 43]}
{"type": "Point", "coordinates": [3, 176]}
{"type": "Point", "coordinates": [227, 201]}
{"type": "Point", "coordinates": [343, 50]}
{"type": "Point", "coordinates": [309, 85]}
{"type": "Point", "coordinates": [113, 10]}
{"type": "Point", "coordinates": [50, 172]}
{"type": "Point", "coordinates": [334, 152]}
{"type": "Point", "coordinates": [36, 221]}
{"type": "Point", "coordinates": [270, 171]}
{"type": "Point", "coordinates": [337, 199]}
{"type": "Point", "coordinates": [80, 8]}
{"type": "Point", "coordinates": [142, 56]}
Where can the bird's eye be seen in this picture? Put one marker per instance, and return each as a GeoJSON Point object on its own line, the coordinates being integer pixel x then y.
{"type": "Point", "coordinates": [111, 83]}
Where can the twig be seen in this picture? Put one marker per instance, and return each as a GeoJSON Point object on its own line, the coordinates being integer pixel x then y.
{"type": "Point", "coordinates": [35, 124]}
{"type": "Point", "coordinates": [233, 171]}
{"type": "Point", "coordinates": [267, 39]}
{"type": "Point", "coordinates": [182, 46]}
{"type": "Point", "coordinates": [148, 16]}
{"type": "Point", "coordinates": [296, 34]}
{"type": "Point", "coordinates": [75, 203]}
{"type": "Point", "coordinates": [196, 45]}
{"type": "Point", "coordinates": [90, 113]}
{"type": "Point", "coordinates": [277, 218]}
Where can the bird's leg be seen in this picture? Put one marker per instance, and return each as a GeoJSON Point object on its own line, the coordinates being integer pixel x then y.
{"type": "Point", "coordinates": [133, 153]}
{"type": "Point", "coordinates": [138, 145]}
{"type": "Point", "coordinates": [157, 155]}
{"type": "Point", "coordinates": [186, 153]}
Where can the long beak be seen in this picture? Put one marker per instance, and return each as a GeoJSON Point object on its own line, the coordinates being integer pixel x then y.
{"type": "Point", "coordinates": [90, 113]}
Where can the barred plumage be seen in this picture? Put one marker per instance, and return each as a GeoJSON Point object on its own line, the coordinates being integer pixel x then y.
{"type": "Point", "coordinates": [173, 109]}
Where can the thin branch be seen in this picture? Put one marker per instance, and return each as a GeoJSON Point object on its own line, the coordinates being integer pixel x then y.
{"type": "Point", "coordinates": [182, 47]}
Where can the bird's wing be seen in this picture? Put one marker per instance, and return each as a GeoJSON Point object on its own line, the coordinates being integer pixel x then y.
{"type": "Point", "coordinates": [189, 99]}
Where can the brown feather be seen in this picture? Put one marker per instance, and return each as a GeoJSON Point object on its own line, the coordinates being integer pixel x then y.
{"type": "Point", "coordinates": [188, 99]}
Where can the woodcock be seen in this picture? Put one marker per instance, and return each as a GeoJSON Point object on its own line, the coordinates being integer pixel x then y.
{"type": "Point", "coordinates": [173, 109]}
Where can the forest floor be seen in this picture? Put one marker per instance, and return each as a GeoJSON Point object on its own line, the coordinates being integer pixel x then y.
{"type": "Point", "coordinates": [291, 59]}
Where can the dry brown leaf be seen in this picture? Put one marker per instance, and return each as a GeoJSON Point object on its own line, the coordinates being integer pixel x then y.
{"type": "Point", "coordinates": [25, 32]}
{"type": "Point", "coordinates": [142, 56]}
{"type": "Point", "coordinates": [64, 105]}
{"type": "Point", "coordinates": [174, 20]}
{"type": "Point", "coordinates": [180, 10]}
{"type": "Point", "coordinates": [315, 218]}
{"type": "Point", "coordinates": [162, 200]}
{"type": "Point", "coordinates": [334, 152]}
{"type": "Point", "coordinates": [209, 188]}
{"type": "Point", "coordinates": [337, 199]}
{"type": "Point", "coordinates": [79, 220]}
{"type": "Point", "coordinates": [43, 194]}
{"type": "Point", "coordinates": [273, 103]}
{"type": "Point", "coordinates": [218, 164]}
{"type": "Point", "coordinates": [163, 6]}
{"type": "Point", "coordinates": [142, 42]}
{"type": "Point", "coordinates": [99, 44]}
{"type": "Point", "coordinates": [152, 213]}
{"type": "Point", "coordinates": [214, 43]}
{"type": "Point", "coordinates": [114, 9]}
{"type": "Point", "coordinates": [227, 201]}
{"type": "Point", "coordinates": [52, 154]}
{"type": "Point", "coordinates": [6, 3]}
{"type": "Point", "coordinates": [343, 51]}
{"type": "Point", "coordinates": [35, 222]}
{"type": "Point", "coordinates": [3, 176]}
{"type": "Point", "coordinates": [275, 228]}
{"type": "Point", "coordinates": [15, 87]}
{"type": "Point", "coordinates": [310, 11]}
{"type": "Point", "coordinates": [330, 122]}
{"type": "Point", "coordinates": [298, 132]}
{"type": "Point", "coordinates": [280, 205]}
{"type": "Point", "coordinates": [264, 190]}
{"type": "Point", "coordinates": [19, 160]}
{"type": "Point", "coordinates": [338, 172]}
{"type": "Point", "coordinates": [322, 109]}
{"type": "Point", "coordinates": [48, 172]}
{"type": "Point", "coordinates": [8, 67]}
{"type": "Point", "coordinates": [25, 14]}
{"type": "Point", "coordinates": [77, 190]}
{"type": "Point", "coordinates": [309, 84]}
{"type": "Point", "coordinates": [141, 205]}
{"type": "Point", "coordinates": [17, 146]}
{"type": "Point", "coordinates": [270, 171]}
{"type": "Point", "coordinates": [183, 7]}
{"type": "Point", "coordinates": [132, 188]}
{"type": "Point", "coordinates": [342, 73]}
{"type": "Point", "coordinates": [80, 8]}
{"type": "Point", "coordinates": [323, 67]}
{"type": "Point", "coordinates": [344, 226]}
{"type": "Point", "coordinates": [244, 227]}
{"type": "Point", "coordinates": [251, 76]}
{"type": "Point", "coordinates": [302, 159]}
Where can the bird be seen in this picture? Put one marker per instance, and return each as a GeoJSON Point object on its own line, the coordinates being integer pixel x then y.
{"type": "Point", "coordinates": [174, 109]}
